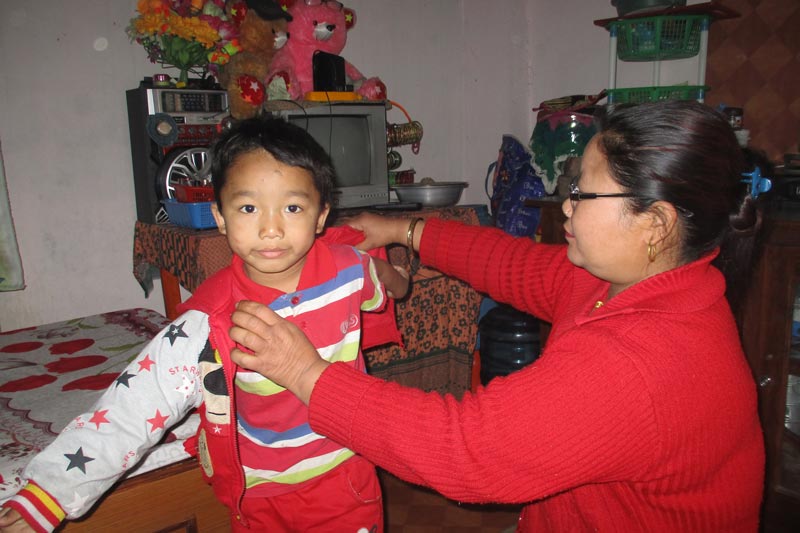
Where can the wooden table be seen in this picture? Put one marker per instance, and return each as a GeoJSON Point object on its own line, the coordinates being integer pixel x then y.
{"type": "Point", "coordinates": [182, 256]}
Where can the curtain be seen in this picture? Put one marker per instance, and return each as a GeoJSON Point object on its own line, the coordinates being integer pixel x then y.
{"type": "Point", "coordinates": [11, 278]}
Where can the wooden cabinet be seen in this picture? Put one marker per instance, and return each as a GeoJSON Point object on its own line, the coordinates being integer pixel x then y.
{"type": "Point", "coordinates": [766, 325]}
{"type": "Point", "coordinates": [551, 219]}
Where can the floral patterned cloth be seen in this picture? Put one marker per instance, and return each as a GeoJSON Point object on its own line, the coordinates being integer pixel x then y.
{"type": "Point", "coordinates": [53, 372]}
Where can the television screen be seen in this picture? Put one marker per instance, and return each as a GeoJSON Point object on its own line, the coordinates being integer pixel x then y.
{"type": "Point", "coordinates": [347, 141]}
{"type": "Point", "coordinates": [354, 135]}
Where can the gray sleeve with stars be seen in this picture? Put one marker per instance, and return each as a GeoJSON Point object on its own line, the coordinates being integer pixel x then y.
{"type": "Point", "coordinates": [159, 387]}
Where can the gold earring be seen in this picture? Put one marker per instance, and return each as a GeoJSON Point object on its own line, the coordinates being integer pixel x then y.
{"type": "Point", "coordinates": [651, 252]}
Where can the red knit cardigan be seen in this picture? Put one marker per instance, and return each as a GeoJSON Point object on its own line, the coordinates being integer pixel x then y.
{"type": "Point", "coordinates": [639, 416]}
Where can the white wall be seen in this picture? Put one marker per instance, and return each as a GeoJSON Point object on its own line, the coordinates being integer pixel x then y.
{"type": "Point", "coordinates": [469, 70]}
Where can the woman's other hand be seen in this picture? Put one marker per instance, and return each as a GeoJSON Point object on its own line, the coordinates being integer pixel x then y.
{"type": "Point", "coordinates": [278, 350]}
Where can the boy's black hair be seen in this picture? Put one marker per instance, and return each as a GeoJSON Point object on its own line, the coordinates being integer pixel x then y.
{"type": "Point", "coordinates": [288, 143]}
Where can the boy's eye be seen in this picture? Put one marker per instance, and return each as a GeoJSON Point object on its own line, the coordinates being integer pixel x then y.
{"type": "Point", "coordinates": [248, 209]}
{"type": "Point", "coordinates": [294, 208]}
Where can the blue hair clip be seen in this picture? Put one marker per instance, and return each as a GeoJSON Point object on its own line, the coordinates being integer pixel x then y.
{"type": "Point", "coordinates": [758, 183]}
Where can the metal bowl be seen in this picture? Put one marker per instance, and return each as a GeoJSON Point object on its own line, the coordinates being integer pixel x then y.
{"type": "Point", "coordinates": [436, 194]}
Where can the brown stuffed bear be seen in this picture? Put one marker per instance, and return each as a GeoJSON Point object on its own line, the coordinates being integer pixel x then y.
{"type": "Point", "coordinates": [262, 31]}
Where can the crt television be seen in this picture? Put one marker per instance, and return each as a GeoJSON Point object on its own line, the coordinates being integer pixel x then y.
{"type": "Point", "coordinates": [354, 135]}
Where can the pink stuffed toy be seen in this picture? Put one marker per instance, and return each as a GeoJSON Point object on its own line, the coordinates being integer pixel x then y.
{"type": "Point", "coordinates": [315, 25]}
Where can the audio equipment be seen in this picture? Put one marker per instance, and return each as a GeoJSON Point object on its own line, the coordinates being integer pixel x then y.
{"type": "Point", "coordinates": [162, 120]}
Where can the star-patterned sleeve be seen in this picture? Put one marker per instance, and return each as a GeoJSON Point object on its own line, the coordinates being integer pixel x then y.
{"type": "Point", "coordinates": [156, 390]}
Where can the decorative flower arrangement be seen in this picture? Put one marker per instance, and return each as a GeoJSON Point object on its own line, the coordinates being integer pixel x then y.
{"type": "Point", "coordinates": [190, 35]}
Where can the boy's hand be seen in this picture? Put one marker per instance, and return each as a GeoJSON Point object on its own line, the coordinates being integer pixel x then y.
{"type": "Point", "coordinates": [394, 278]}
{"type": "Point", "coordinates": [400, 284]}
{"type": "Point", "coordinates": [12, 522]}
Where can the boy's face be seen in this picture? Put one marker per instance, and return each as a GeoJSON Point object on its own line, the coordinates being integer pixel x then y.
{"type": "Point", "coordinates": [271, 215]}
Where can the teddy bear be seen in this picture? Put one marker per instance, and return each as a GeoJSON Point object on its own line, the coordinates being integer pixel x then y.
{"type": "Point", "coordinates": [315, 25]}
{"type": "Point", "coordinates": [262, 30]}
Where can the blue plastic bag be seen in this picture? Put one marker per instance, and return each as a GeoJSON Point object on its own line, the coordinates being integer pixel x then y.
{"type": "Point", "coordinates": [513, 181]}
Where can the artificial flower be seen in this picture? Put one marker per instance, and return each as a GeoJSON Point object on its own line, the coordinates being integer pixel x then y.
{"type": "Point", "coordinates": [185, 34]}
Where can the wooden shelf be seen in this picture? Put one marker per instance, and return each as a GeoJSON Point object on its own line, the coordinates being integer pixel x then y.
{"type": "Point", "coordinates": [717, 12]}
{"type": "Point", "coordinates": [287, 105]}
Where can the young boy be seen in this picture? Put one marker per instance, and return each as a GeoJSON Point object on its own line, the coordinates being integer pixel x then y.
{"type": "Point", "coordinates": [273, 185]}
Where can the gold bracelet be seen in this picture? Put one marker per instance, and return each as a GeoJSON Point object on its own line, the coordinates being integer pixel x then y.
{"type": "Point", "coordinates": [410, 235]}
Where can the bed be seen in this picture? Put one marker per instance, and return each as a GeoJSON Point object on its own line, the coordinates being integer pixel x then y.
{"type": "Point", "coordinates": [52, 372]}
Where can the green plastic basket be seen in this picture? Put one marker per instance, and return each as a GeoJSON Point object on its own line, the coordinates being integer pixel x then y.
{"type": "Point", "coordinates": [638, 95]}
{"type": "Point", "coordinates": [662, 37]}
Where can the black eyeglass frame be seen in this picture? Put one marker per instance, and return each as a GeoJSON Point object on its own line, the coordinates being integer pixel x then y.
{"type": "Point", "coordinates": [575, 194]}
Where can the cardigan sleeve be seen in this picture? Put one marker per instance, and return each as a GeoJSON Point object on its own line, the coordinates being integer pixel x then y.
{"type": "Point", "coordinates": [531, 277]}
{"type": "Point", "coordinates": [566, 420]}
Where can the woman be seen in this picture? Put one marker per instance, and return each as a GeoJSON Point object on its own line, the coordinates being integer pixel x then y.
{"type": "Point", "coordinates": [641, 412]}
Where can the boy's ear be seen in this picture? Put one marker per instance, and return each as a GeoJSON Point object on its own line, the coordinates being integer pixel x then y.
{"type": "Point", "coordinates": [218, 218]}
{"type": "Point", "coordinates": [323, 216]}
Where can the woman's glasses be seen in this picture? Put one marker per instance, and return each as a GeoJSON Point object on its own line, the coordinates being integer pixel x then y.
{"type": "Point", "coordinates": [575, 194]}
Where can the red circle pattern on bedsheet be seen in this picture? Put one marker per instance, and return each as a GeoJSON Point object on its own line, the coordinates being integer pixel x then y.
{"type": "Point", "coordinates": [51, 373]}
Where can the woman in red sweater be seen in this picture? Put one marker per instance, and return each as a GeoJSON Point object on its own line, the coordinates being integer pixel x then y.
{"type": "Point", "coordinates": [641, 412]}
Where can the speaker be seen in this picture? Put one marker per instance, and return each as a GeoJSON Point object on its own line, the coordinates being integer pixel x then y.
{"type": "Point", "coordinates": [328, 70]}
{"type": "Point", "coordinates": [162, 120]}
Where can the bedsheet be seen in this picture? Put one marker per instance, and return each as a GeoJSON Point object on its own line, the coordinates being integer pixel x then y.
{"type": "Point", "coordinates": [49, 374]}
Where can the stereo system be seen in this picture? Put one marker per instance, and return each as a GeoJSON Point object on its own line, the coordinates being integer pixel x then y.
{"type": "Point", "coordinates": [164, 122]}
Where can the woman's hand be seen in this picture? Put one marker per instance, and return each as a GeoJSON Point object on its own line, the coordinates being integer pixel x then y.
{"type": "Point", "coordinates": [12, 522]}
{"type": "Point", "coordinates": [379, 230]}
{"type": "Point", "coordinates": [278, 349]}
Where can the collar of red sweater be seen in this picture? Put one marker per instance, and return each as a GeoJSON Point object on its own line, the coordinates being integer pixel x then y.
{"type": "Point", "coordinates": [685, 289]}
{"type": "Point", "coordinates": [220, 292]}
{"type": "Point", "coordinates": [319, 264]}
